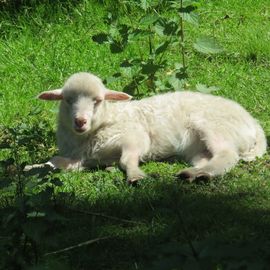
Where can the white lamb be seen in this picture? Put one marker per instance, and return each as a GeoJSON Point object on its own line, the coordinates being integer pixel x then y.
{"type": "Point", "coordinates": [210, 132]}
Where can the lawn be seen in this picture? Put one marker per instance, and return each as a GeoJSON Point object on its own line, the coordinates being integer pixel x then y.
{"type": "Point", "coordinates": [161, 223]}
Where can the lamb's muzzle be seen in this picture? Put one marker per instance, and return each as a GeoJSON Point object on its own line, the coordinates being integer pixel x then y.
{"type": "Point", "coordinates": [80, 124]}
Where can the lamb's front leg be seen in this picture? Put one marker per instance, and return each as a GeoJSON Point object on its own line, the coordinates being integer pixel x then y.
{"type": "Point", "coordinates": [129, 162]}
{"type": "Point", "coordinates": [134, 145]}
{"type": "Point", "coordinates": [58, 162]}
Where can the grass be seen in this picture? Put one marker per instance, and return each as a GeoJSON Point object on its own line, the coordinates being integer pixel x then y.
{"type": "Point", "coordinates": [42, 44]}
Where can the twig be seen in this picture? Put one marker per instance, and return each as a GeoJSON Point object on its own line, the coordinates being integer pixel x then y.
{"type": "Point", "coordinates": [89, 242]}
{"type": "Point", "coordinates": [150, 43]}
{"type": "Point", "coordinates": [182, 38]}
{"type": "Point", "coordinates": [105, 216]}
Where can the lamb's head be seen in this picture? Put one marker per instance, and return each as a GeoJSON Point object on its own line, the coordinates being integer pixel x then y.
{"type": "Point", "coordinates": [81, 98]}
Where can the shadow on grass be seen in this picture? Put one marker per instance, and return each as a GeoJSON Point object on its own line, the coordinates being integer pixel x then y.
{"type": "Point", "coordinates": [171, 212]}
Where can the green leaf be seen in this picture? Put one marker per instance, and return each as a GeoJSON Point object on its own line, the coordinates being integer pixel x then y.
{"type": "Point", "coordinates": [113, 32]}
{"type": "Point", "coordinates": [187, 9]}
{"type": "Point", "coordinates": [123, 31]}
{"type": "Point", "coordinates": [166, 27]}
{"type": "Point", "coordinates": [150, 68]}
{"type": "Point", "coordinates": [5, 183]}
{"type": "Point", "coordinates": [35, 214]}
{"type": "Point", "coordinates": [204, 89]}
{"type": "Point", "coordinates": [190, 17]}
{"type": "Point", "coordinates": [160, 85]}
{"type": "Point", "coordinates": [162, 47]}
{"type": "Point", "coordinates": [137, 34]}
{"type": "Point", "coordinates": [57, 182]}
{"type": "Point", "coordinates": [35, 110]}
{"type": "Point", "coordinates": [185, 3]}
{"type": "Point", "coordinates": [127, 72]}
{"type": "Point", "coordinates": [176, 83]}
{"type": "Point", "coordinates": [131, 87]}
{"type": "Point", "coordinates": [148, 20]}
{"type": "Point", "coordinates": [159, 28]}
{"type": "Point", "coordinates": [144, 4]}
{"type": "Point", "coordinates": [116, 76]}
{"type": "Point", "coordinates": [116, 47]}
{"type": "Point", "coordinates": [178, 66]}
{"type": "Point", "coordinates": [100, 38]}
{"type": "Point", "coordinates": [147, 4]}
{"type": "Point", "coordinates": [207, 45]}
{"type": "Point", "coordinates": [189, 2]}
{"type": "Point", "coordinates": [171, 28]}
{"type": "Point", "coordinates": [126, 63]}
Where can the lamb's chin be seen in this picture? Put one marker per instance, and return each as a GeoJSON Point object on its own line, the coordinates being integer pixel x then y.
{"type": "Point", "coordinates": [81, 131]}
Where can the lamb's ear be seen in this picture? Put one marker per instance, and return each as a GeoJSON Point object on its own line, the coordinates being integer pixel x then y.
{"type": "Point", "coordinates": [115, 95]}
{"type": "Point", "coordinates": [51, 95]}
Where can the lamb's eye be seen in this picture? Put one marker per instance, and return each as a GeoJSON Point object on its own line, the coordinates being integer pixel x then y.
{"type": "Point", "coordinates": [69, 100]}
{"type": "Point", "coordinates": [97, 101]}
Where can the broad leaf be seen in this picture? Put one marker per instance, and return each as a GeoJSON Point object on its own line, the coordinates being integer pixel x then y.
{"type": "Point", "coordinates": [189, 2]}
{"type": "Point", "coordinates": [144, 4]}
{"type": "Point", "coordinates": [137, 34]}
{"type": "Point", "coordinates": [130, 63]}
{"type": "Point", "coordinates": [126, 63]}
{"type": "Point", "coordinates": [123, 31]}
{"type": "Point", "coordinates": [116, 47]}
{"type": "Point", "coordinates": [150, 68]}
{"type": "Point", "coordinates": [162, 47]}
{"type": "Point", "coordinates": [57, 182]}
{"type": "Point", "coordinates": [204, 89]}
{"type": "Point", "coordinates": [176, 83]}
{"type": "Point", "coordinates": [166, 27]}
{"type": "Point", "coordinates": [159, 28]}
{"type": "Point", "coordinates": [127, 72]}
{"type": "Point", "coordinates": [148, 20]}
{"type": "Point", "coordinates": [100, 38]}
{"type": "Point", "coordinates": [5, 183]}
{"type": "Point", "coordinates": [190, 17]}
{"type": "Point", "coordinates": [35, 214]}
{"type": "Point", "coordinates": [178, 66]}
{"type": "Point", "coordinates": [116, 76]}
{"type": "Point", "coordinates": [185, 3]}
{"type": "Point", "coordinates": [170, 28]}
{"type": "Point", "coordinates": [207, 45]}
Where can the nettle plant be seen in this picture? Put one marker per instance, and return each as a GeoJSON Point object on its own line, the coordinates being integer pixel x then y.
{"type": "Point", "coordinates": [155, 34]}
{"type": "Point", "coordinates": [29, 202]}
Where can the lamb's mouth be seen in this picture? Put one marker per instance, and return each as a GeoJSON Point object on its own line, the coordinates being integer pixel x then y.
{"type": "Point", "coordinates": [81, 130]}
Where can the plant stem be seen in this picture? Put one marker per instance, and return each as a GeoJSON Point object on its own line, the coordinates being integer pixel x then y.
{"type": "Point", "coordinates": [182, 37]}
{"type": "Point", "coordinates": [104, 216]}
{"type": "Point", "coordinates": [77, 246]}
{"type": "Point", "coordinates": [150, 43]}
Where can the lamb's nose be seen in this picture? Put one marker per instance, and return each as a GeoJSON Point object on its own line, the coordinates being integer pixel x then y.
{"type": "Point", "coordinates": [80, 122]}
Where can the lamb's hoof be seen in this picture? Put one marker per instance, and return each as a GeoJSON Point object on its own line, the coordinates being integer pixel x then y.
{"type": "Point", "coordinates": [191, 175]}
{"type": "Point", "coordinates": [203, 177]}
{"type": "Point", "coordinates": [134, 180]}
{"type": "Point", "coordinates": [186, 175]}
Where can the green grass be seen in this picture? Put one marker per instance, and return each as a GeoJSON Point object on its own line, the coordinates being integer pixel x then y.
{"type": "Point", "coordinates": [42, 44]}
